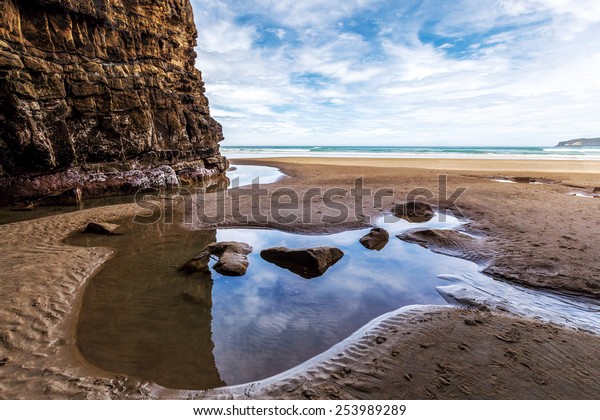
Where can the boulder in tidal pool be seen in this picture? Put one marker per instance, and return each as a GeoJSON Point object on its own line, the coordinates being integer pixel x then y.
{"type": "Point", "coordinates": [233, 258]}
{"type": "Point", "coordinates": [308, 263]}
{"type": "Point", "coordinates": [414, 211]}
{"type": "Point", "coordinates": [376, 240]}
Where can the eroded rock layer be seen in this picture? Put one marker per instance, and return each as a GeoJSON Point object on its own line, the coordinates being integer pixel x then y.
{"type": "Point", "coordinates": [96, 91]}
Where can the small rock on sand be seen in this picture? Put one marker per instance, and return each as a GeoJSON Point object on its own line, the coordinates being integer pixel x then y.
{"type": "Point", "coordinates": [376, 240]}
{"type": "Point", "coordinates": [308, 263]}
{"type": "Point", "coordinates": [106, 229]}
{"type": "Point", "coordinates": [414, 211]}
{"type": "Point", "coordinates": [308, 393]}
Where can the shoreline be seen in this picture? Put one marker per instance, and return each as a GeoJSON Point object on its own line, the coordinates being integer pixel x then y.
{"type": "Point", "coordinates": [516, 166]}
{"type": "Point", "coordinates": [550, 153]}
{"type": "Point", "coordinates": [39, 316]}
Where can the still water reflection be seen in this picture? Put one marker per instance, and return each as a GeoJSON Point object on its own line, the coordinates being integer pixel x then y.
{"type": "Point", "coordinates": [142, 317]}
{"type": "Point", "coordinates": [237, 176]}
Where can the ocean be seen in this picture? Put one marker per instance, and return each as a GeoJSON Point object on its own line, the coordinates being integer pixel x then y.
{"type": "Point", "coordinates": [546, 153]}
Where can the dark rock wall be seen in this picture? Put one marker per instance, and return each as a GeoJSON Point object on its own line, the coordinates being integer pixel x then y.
{"type": "Point", "coordinates": [85, 83]}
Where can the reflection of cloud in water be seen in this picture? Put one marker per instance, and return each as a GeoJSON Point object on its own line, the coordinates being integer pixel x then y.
{"type": "Point", "coordinates": [271, 319]}
{"type": "Point", "coordinates": [395, 225]}
{"type": "Point", "coordinates": [248, 174]}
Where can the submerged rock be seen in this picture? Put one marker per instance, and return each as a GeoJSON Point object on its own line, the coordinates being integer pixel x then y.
{"type": "Point", "coordinates": [308, 263]}
{"type": "Point", "coordinates": [233, 258]}
{"type": "Point", "coordinates": [414, 211]}
{"type": "Point", "coordinates": [107, 229]}
{"type": "Point", "coordinates": [376, 240]}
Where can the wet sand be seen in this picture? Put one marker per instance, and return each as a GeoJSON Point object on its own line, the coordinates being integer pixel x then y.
{"type": "Point", "coordinates": [535, 234]}
{"type": "Point", "coordinates": [532, 234]}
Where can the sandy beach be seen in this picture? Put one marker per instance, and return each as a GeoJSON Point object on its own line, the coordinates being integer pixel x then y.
{"type": "Point", "coordinates": [529, 233]}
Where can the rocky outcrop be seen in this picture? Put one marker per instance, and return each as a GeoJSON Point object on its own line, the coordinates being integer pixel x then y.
{"type": "Point", "coordinates": [233, 259]}
{"type": "Point", "coordinates": [308, 263]}
{"type": "Point", "coordinates": [376, 239]}
{"type": "Point", "coordinates": [103, 95]}
{"type": "Point", "coordinates": [595, 142]}
{"type": "Point", "coordinates": [413, 211]}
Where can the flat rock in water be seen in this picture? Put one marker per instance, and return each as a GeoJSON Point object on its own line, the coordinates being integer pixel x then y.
{"type": "Point", "coordinates": [23, 207]}
{"type": "Point", "coordinates": [106, 229]}
{"type": "Point", "coordinates": [69, 197]}
{"type": "Point", "coordinates": [233, 258]}
{"type": "Point", "coordinates": [376, 240]}
{"type": "Point", "coordinates": [414, 211]}
{"type": "Point", "coordinates": [308, 263]}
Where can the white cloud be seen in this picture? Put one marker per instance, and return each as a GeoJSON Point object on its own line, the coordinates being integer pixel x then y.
{"type": "Point", "coordinates": [505, 72]}
{"type": "Point", "coordinates": [309, 13]}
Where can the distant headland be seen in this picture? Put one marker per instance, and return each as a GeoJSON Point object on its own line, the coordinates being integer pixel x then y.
{"type": "Point", "coordinates": [580, 143]}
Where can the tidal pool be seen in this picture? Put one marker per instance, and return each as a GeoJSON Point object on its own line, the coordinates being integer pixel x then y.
{"type": "Point", "coordinates": [240, 175]}
{"type": "Point", "coordinates": [141, 316]}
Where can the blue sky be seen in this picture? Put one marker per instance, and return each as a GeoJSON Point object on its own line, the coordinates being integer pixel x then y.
{"type": "Point", "coordinates": [404, 72]}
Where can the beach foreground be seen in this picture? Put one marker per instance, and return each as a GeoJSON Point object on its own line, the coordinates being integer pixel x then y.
{"type": "Point", "coordinates": [532, 233]}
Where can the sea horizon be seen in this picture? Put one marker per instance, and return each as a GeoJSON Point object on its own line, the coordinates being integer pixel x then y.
{"type": "Point", "coordinates": [432, 152]}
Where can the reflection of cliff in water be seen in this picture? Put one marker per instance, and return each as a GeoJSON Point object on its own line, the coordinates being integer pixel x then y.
{"type": "Point", "coordinates": [216, 183]}
{"type": "Point", "coordinates": [141, 317]}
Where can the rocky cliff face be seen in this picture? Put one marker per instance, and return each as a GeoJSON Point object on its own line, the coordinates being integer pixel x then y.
{"type": "Point", "coordinates": [101, 94]}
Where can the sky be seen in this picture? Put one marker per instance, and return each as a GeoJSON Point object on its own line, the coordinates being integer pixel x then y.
{"type": "Point", "coordinates": [402, 73]}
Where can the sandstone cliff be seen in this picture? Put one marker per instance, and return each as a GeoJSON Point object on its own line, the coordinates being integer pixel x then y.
{"type": "Point", "coordinates": [101, 94]}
